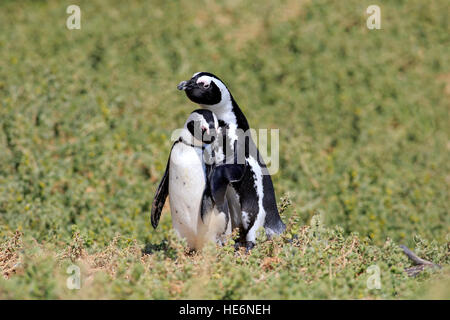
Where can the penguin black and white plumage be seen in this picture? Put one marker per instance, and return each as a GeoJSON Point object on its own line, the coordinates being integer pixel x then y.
{"type": "Point", "coordinates": [247, 185]}
{"type": "Point", "coordinates": [185, 180]}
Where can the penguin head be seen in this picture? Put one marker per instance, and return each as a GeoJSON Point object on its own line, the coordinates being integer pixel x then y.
{"type": "Point", "coordinates": [205, 89]}
{"type": "Point", "coordinates": [203, 125]}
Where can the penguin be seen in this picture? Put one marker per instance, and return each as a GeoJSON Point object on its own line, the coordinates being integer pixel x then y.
{"type": "Point", "coordinates": [244, 183]}
{"type": "Point", "coordinates": [185, 180]}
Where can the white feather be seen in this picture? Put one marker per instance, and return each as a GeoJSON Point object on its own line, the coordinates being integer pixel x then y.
{"type": "Point", "coordinates": [261, 216]}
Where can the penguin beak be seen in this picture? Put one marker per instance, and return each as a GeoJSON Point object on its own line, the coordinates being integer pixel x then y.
{"type": "Point", "coordinates": [212, 134]}
{"type": "Point", "coordinates": [182, 85]}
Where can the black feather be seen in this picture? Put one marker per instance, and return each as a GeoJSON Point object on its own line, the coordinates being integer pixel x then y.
{"type": "Point", "coordinates": [161, 194]}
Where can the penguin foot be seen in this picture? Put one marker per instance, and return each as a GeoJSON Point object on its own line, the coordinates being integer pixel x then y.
{"type": "Point", "coordinates": [249, 245]}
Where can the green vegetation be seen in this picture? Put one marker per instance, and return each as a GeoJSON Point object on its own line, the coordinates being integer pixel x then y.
{"type": "Point", "coordinates": [85, 123]}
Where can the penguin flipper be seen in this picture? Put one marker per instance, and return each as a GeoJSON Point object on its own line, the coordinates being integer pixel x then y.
{"type": "Point", "coordinates": [221, 177]}
{"type": "Point", "coordinates": [207, 203]}
{"type": "Point", "coordinates": [160, 196]}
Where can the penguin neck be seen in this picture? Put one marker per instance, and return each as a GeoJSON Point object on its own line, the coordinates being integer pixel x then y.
{"type": "Point", "coordinates": [229, 112]}
{"type": "Point", "coordinates": [187, 138]}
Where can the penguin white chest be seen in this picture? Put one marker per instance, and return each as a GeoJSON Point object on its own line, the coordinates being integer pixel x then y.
{"type": "Point", "coordinates": [186, 185]}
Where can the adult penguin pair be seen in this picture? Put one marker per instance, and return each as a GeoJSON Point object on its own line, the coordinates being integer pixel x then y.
{"type": "Point", "coordinates": [239, 185]}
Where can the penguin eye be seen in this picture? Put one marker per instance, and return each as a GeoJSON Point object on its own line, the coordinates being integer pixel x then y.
{"type": "Point", "coordinates": [206, 85]}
